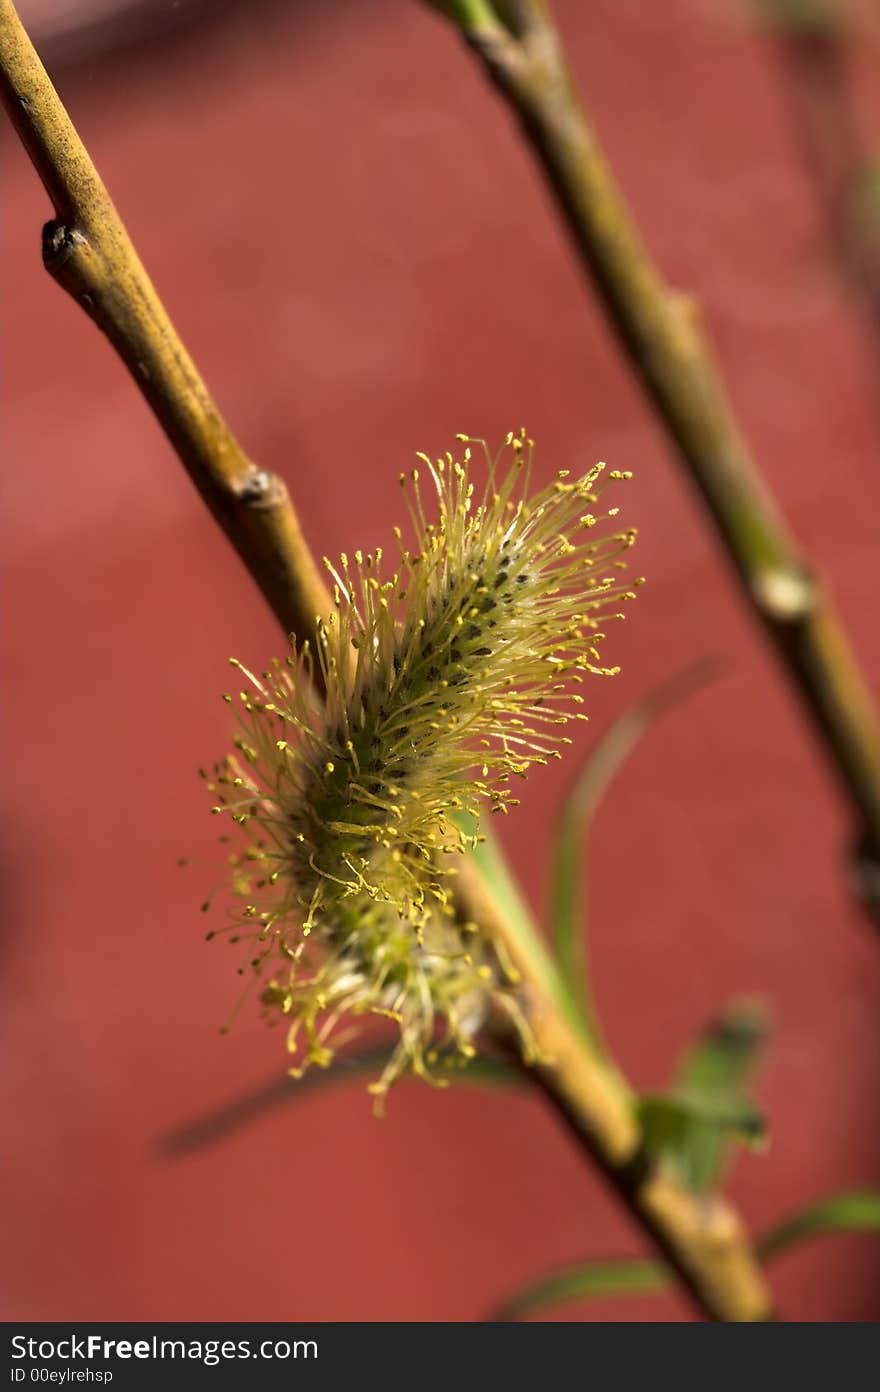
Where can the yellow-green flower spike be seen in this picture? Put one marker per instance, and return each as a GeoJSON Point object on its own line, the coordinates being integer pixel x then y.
{"type": "Point", "coordinates": [447, 677]}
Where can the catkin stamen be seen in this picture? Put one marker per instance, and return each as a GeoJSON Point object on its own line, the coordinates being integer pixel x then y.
{"type": "Point", "coordinates": [443, 681]}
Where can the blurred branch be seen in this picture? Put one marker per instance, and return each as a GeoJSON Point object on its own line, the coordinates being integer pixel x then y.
{"type": "Point", "coordinates": [88, 251]}
{"type": "Point", "coordinates": [852, 1211]}
{"type": "Point", "coordinates": [813, 39]}
{"type": "Point", "coordinates": [206, 1130]}
{"type": "Point", "coordinates": [660, 330]}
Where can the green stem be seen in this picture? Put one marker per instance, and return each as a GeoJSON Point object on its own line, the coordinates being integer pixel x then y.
{"type": "Point", "coordinates": [660, 331]}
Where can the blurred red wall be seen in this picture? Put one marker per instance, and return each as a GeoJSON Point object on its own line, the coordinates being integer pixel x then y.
{"type": "Point", "coordinates": [358, 253]}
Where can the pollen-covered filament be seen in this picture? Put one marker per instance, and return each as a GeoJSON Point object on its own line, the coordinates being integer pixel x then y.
{"type": "Point", "coordinates": [444, 682]}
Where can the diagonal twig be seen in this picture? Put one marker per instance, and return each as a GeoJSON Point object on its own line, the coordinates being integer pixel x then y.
{"type": "Point", "coordinates": [87, 250]}
{"type": "Point", "coordinates": [815, 44]}
{"type": "Point", "coordinates": [89, 253]}
{"type": "Point", "coordinates": [522, 55]}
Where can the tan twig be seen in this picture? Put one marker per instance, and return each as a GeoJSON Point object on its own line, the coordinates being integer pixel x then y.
{"type": "Point", "coordinates": [522, 54]}
{"type": "Point", "coordinates": [89, 253]}
{"type": "Point", "coordinates": [87, 250]}
{"type": "Point", "coordinates": [702, 1238]}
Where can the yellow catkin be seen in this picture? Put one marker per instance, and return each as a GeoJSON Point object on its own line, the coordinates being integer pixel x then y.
{"type": "Point", "coordinates": [446, 679]}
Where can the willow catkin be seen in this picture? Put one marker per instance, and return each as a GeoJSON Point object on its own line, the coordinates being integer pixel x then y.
{"type": "Point", "coordinates": [445, 681]}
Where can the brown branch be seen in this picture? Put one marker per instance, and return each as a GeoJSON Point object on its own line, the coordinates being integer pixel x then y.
{"type": "Point", "coordinates": [522, 55]}
{"type": "Point", "coordinates": [87, 250]}
{"type": "Point", "coordinates": [89, 253]}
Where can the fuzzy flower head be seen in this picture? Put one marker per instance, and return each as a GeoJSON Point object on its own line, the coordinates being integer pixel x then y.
{"type": "Point", "coordinates": [446, 676]}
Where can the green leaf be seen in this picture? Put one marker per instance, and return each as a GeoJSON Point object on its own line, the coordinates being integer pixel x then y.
{"type": "Point", "coordinates": [467, 14]}
{"type": "Point", "coordinates": [615, 1276]}
{"type": "Point", "coordinates": [666, 1120]}
{"type": "Point", "coordinates": [854, 1210]}
{"type": "Point", "coordinates": [691, 1133]}
{"type": "Point", "coordinates": [491, 865]}
{"type": "Point", "coordinates": [814, 19]}
{"type": "Point", "coordinates": [715, 1075]}
{"type": "Point", "coordinates": [482, 1071]}
{"type": "Point", "coordinates": [569, 854]}
{"type": "Point", "coordinates": [691, 1127]}
{"type": "Point", "coordinates": [723, 1059]}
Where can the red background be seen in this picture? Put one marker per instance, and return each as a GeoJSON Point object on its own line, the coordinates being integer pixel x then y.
{"type": "Point", "coordinates": [357, 251]}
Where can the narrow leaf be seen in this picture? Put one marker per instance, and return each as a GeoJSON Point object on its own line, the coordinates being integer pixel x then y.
{"type": "Point", "coordinates": [723, 1059]}
{"type": "Point", "coordinates": [569, 854]}
{"type": "Point", "coordinates": [814, 19]}
{"type": "Point", "coordinates": [615, 1276]}
{"type": "Point", "coordinates": [665, 1120]}
{"type": "Point", "coordinates": [855, 1210]}
{"type": "Point", "coordinates": [714, 1077]}
{"type": "Point", "coordinates": [206, 1130]}
{"type": "Point", "coordinates": [468, 14]}
{"type": "Point", "coordinates": [491, 865]}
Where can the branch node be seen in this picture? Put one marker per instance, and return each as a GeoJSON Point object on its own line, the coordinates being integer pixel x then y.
{"type": "Point", "coordinates": [785, 595]}
{"type": "Point", "coordinates": [723, 1228]}
{"type": "Point", "coordinates": [865, 877]}
{"type": "Point", "coordinates": [686, 316]}
{"type": "Point", "coordinates": [60, 242]}
{"type": "Point", "coordinates": [262, 489]}
{"type": "Point", "coordinates": [503, 57]}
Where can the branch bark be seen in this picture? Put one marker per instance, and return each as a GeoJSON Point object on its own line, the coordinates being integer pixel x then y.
{"type": "Point", "coordinates": [660, 330]}
{"type": "Point", "coordinates": [701, 1237]}
{"type": "Point", "coordinates": [88, 251]}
